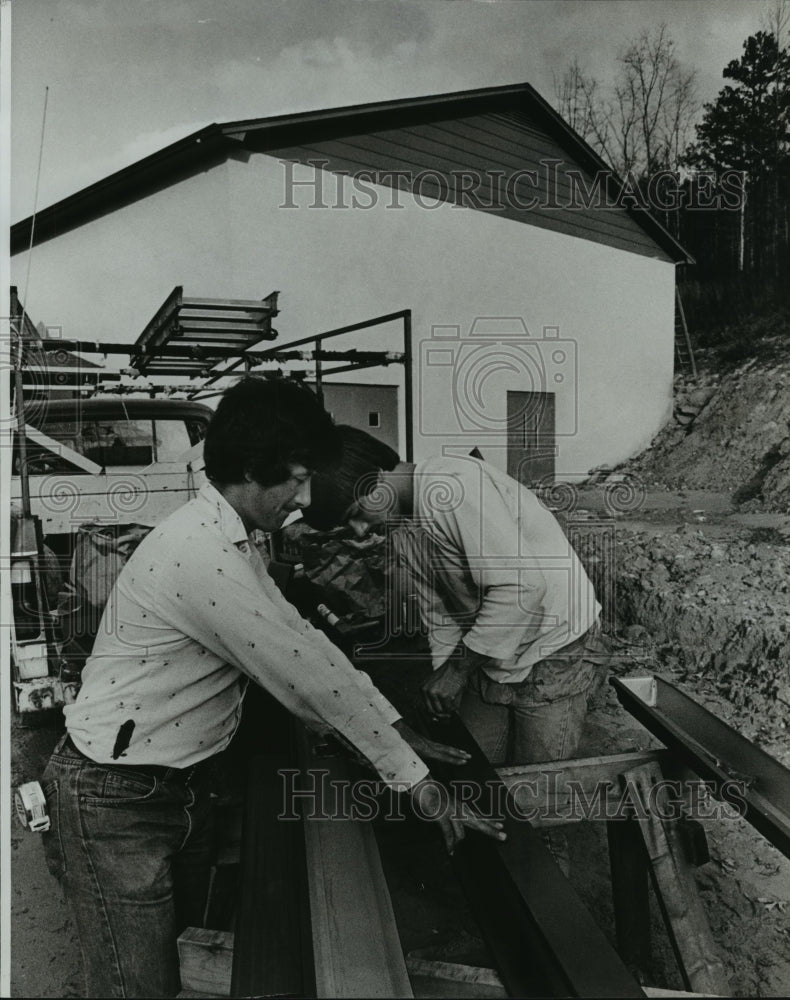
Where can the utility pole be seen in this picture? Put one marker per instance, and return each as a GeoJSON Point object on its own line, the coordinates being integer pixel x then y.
{"type": "Point", "coordinates": [6, 442]}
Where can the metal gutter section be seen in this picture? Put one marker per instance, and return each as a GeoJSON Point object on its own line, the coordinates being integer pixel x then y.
{"type": "Point", "coordinates": [543, 940]}
{"type": "Point", "coordinates": [736, 771]}
{"type": "Point", "coordinates": [272, 946]}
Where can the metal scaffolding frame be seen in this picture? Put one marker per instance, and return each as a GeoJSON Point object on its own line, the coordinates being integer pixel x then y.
{"type": "Point", "coordinates": [211, 339]}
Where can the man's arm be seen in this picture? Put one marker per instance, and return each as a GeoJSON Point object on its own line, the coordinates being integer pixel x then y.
{"type": "Point", "coordinates": [510, 582]}
{"type": "Point", "coordinates": [444, 689]}
{"type": "Point", "coordinates": [247, 625]}
{"type": "Point", "coordinates": [487, 537]}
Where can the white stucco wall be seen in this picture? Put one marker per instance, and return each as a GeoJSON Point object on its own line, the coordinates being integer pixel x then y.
{"type": "Point", "coordinates": [226, 233]}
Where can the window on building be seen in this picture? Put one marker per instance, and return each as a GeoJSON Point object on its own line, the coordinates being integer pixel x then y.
{"type": "Point", "coordinates": [374, 418]}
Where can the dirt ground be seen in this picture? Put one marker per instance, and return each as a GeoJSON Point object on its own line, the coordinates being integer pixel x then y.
{"type": "Point", "coordinates": [745, 887]}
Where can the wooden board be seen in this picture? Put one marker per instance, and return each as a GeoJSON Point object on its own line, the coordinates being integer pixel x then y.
{"type": "Point", "coordinates": [205, 959]}
{"type": "Point", "coordinates": [700, 964]}
{"type": "Point", "coordinates": [356, 949]}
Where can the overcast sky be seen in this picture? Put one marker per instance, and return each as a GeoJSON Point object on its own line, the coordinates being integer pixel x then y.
{"type": "Point", "coordinates": [126, 78]}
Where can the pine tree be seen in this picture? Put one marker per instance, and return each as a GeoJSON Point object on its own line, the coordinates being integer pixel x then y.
{"type": "Point", "coordinates": [746, 130]}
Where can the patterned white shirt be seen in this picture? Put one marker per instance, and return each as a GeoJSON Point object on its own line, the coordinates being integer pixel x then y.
{"type": "Point", "coordinates": [192, 616]}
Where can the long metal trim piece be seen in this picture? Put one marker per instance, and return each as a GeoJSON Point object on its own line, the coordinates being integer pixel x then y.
{"type": "Point", "coordinates": [542, 938]}
{"type": "Point", "coordinates": [735, 770]}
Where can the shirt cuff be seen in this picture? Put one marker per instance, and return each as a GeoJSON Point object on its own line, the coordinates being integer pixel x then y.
{"type": "Point", "coordinates": [402, 776]}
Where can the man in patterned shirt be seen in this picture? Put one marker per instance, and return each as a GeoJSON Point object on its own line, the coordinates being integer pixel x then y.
{"type": "Point", "coordinates": [193, 616]}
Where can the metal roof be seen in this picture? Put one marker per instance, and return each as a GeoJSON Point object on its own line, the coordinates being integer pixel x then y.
{"type": "Point", "coordinates": [216, 143]}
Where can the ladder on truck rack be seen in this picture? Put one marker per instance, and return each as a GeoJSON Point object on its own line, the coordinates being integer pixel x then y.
{"type": "Point", "coordinates": [187, 335]}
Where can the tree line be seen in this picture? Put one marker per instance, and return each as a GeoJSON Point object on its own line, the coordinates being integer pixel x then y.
{"type": "Point", "coordinates": [717, 175]}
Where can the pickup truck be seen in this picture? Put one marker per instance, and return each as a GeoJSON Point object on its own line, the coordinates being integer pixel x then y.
{"type": "Point", "coordinates": [100, 473]}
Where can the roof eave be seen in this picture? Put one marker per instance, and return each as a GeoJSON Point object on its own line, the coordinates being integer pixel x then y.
{"type": "Point", "coordinates": [213, 144]}
{"type": "Point", "coordinates": [186, 156]}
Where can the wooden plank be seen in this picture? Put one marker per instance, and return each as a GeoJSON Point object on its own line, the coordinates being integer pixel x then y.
{"type": "Point", "coordinates": [205, 958]}
{"type": "Point", "coordinates": [736, 770]}
{"type": "Point", "coordinates": [451, 979]}
{"type": "Point", "coordinates": [356, 949]}
{"type": "Point", "coordinates": [569, 791]}
{"type": "Point", "coordinates": [272, 950]}
{"type": "Point", "coordinates": [655, 991]}
{"type": "Point", "coordinates": [700, 964]}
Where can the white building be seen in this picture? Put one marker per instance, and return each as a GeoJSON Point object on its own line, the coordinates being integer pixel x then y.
{"type": "Point", "coordinates": [542, 305]}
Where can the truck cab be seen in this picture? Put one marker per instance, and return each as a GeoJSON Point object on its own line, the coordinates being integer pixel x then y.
{"type": "Point", "coordinates": [98, 474]}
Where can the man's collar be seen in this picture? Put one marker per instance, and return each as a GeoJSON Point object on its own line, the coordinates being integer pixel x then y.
{"type": "Point", "coordinates": [229, 521]}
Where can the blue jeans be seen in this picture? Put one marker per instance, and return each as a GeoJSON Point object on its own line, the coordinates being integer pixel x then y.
{"type": "Point", "coordinates": [539, 718]}
{"type": "Point", "coordinates": [131, 848]}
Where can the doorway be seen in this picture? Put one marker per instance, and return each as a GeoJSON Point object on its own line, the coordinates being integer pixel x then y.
{"type": "Point", "coordinates": [531, 443]}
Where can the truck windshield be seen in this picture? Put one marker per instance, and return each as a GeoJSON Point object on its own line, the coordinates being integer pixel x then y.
{"type": "Point", "coordinates": [113, 444]}
{"type": "Point", "coordinates": [124, 442]}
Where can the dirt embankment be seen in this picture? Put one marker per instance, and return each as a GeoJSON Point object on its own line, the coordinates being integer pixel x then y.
{"type": "Point", "coordinates": [712, 587]}
{"type": "Point", "coordinates": [730, 432]}
{"type": "Point", "coordinates": [719, 609]}
{"type": "Point", "coordinates": [701, 597]}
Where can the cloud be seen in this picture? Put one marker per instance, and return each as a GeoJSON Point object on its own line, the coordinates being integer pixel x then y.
{"type": "Point", "coordinates": [126, 79]}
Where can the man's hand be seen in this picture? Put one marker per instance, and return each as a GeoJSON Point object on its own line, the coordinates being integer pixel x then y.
{"type": "Point", "coordinates": [435, 803]}
{"type": "Point", "coordinates": [443, 690]}
{"type": "Point", "coordinates": [429, 749]}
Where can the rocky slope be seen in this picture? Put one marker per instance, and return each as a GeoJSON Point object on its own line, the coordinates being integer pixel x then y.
{"type": "Point", "coordinates": [730, 432]}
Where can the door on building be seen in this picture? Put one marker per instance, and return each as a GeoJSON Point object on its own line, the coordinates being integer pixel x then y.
{"type": "Point", "coordinates": [531, 444]}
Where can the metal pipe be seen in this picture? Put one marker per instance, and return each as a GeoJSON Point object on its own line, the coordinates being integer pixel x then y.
{"type": "Point", "coordinates": [408, 401]}
{"type": "Point", "coordinates": [87, 346]}
{"type": "Point", "coordinates": [271, 354]}
{"type": "Point", "coordinates": [19, 405]}
{"type": "Point", "coordinates": [357, 366]}
{"type": "Point", "coordinates": [376, 321]}
{"type": "Point", "coordinates": [319, 389]}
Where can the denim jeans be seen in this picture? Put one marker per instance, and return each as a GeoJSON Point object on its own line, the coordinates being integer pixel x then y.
{"type": "Point", "coordinates": [539, 718]}
{"type": "Point", "coordinates": [131, 848]}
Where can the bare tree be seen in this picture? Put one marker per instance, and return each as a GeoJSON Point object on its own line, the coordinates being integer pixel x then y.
{"type": "Point", "coordinates": [644, 123]}
{"type": "Point", "coordinates": [659, 96]}
{"type": "Point", "coordinates": [577, 99]}
{"type": "Point", "coordinates": [776, 21]}
{"type": "Point", "coordinates": [582, 103]}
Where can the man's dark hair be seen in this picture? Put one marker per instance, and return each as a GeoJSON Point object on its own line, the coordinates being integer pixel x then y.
{"type": "Point", "coordinates": [262, 426]}
{"type": "Point", "coordinates": [332, 493]}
